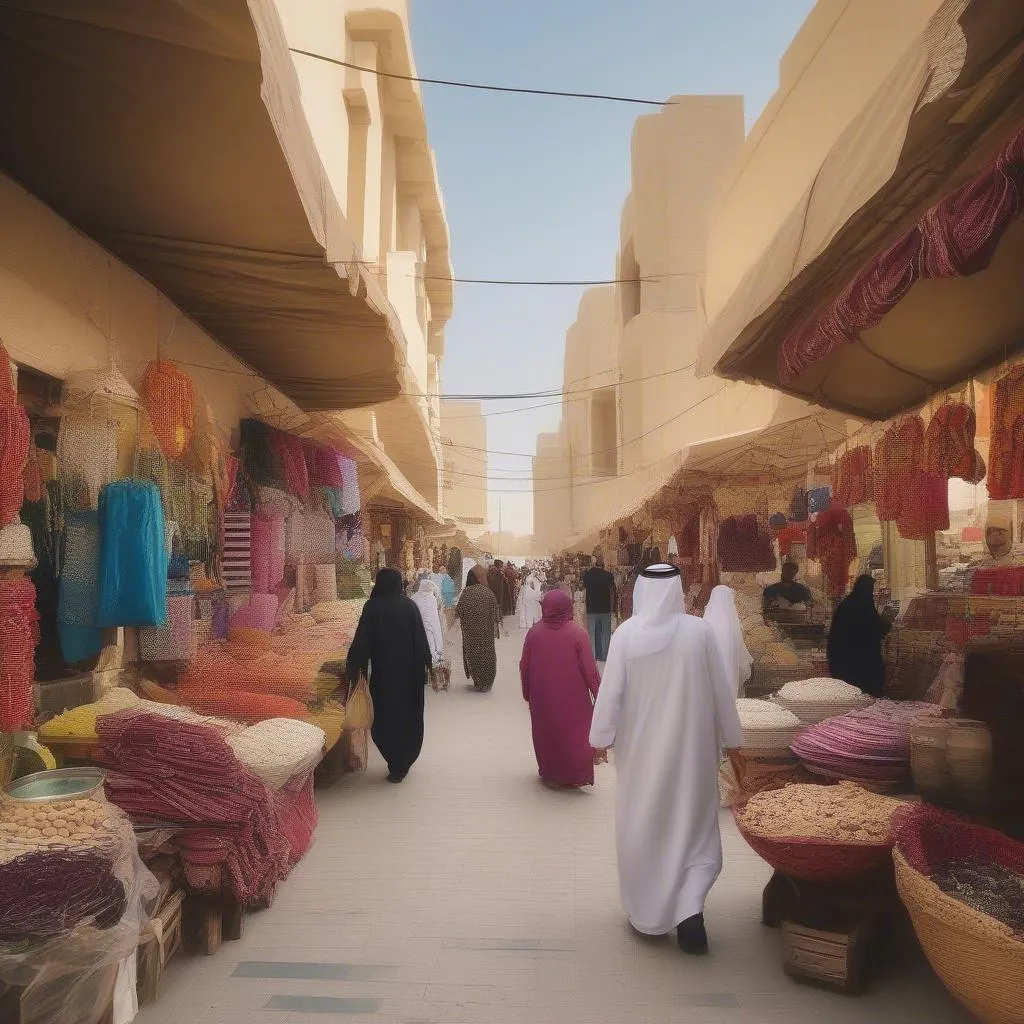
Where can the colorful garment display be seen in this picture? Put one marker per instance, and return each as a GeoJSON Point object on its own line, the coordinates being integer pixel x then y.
{"type": "Point", "coordinates": [19, 634]}
{"type": "Point", "coordinates": [831, 541]}
{"type": "Point", "coordinates": [133, 556]}
{"type": "Point", "coordinates": [949, 444]}
{"type": "Point", "coordinates": [744, 546]}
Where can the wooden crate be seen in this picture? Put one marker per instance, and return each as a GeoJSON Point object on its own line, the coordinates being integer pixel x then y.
{"type": "Point", "coordinates": [835, 951]}
{"type": "Point", "coordinates": [161, 943]}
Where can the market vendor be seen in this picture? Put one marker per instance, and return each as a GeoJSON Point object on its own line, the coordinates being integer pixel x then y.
{"type": "Point", "coordinates": [999, 542]}
{"type": "Point", "coordinates": [787, 593]}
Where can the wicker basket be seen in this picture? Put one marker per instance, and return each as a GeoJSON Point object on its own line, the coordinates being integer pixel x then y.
{"type": "Point", "coordinates": [818, 860]}
{"type": "Point", "coordinates": [978, 959]}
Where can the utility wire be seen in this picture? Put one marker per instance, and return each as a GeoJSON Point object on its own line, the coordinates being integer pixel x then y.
{"type": "Point", "coordinates": [480, 87]}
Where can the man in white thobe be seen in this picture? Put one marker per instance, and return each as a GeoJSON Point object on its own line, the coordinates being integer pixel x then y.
{"type": "Point", "coordinates": [669, 710]}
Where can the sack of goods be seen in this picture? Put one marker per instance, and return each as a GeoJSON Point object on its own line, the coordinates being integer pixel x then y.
{"type": "Point", "coordinates": [819, 833]}
{"type": "Point", "coordinates": [870, 746]}
{"type": "Point", "coordinates": [814, 700]}
{"type": "Point", "coordinates": [963, 886]}
{"type": "Point", "coordinates": [279, 749]}
{"type": "Point", "coordinates": [768, 729]}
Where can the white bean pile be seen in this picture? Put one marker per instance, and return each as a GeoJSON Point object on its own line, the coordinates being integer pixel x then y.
{"type": "Point", "coordinates": [820, 690]}
{"type": "Point", "coordinates": [279, 749]}
{"type": "Point", "coordinates": [27, 827]}
{"type": "Point", "coordinates": [763, 714]}
{"type": "Point", "coordinates": [843, 813]}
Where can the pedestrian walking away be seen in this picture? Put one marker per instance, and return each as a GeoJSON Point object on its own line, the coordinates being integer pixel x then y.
{"type": "Point", "coordinates": [390, 648]}
{"type": "Point", "coordinates": [560, 682]}
{"type": "Point", "coordinates": [721, 615]}
{"type": "Point", "coordinates": [480, 615]}
{"type": "Point", "coordinates": [601, 598]}
{"type": "Point", "coordinates": [669, 710]}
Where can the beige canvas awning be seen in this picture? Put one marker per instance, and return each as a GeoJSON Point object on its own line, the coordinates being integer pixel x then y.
{"type": "Point", "coordinates": [171, 131]}
{"type": "Point", "coordinates": [945, 111]}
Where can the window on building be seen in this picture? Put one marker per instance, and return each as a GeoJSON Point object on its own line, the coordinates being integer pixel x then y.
{"type": "Point", "coordinates": [604, 433]}
{"type": "Point", "coordinates": [629, 289]}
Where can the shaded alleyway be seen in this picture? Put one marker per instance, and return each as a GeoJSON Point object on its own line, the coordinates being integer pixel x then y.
{"type": "Point", "coordinates": [472, 894]}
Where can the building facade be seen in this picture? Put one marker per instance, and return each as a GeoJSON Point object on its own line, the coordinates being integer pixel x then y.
{"type": "Point", "coordinates": [633, 403]}
{"type": "Point", "coordinates": [464, 440]}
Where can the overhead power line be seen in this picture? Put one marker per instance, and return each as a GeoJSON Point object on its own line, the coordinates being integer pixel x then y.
{"type": "Point", "coordinates": [608, 98]}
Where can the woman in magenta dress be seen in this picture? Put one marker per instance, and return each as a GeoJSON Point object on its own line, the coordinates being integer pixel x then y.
{"type": "Point", "coordinates": [560, 683]}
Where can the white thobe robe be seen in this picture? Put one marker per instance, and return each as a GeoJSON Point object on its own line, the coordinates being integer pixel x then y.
{"type": "Point", "coordinates": [427, 604]}
{"type": "Point", "coordinates": [668, 715]}
{"type": "Point", "coordinates": [529, 602]}
{"type": "Point", "coordinates": [720, 614]}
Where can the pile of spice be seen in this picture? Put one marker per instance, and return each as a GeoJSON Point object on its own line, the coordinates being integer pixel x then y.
{"type": "Point", "coordinates": [842, 813]}
{"type": "Point", "coordinates": [986, 886]}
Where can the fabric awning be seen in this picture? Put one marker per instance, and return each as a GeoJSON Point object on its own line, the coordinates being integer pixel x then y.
{"type": "Point", "coordinates": [909, 148]}
{"type": "Point", "coordinates": [172, 132]}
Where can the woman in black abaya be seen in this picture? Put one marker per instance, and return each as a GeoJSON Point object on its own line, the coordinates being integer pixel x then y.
{"type": "Point", "coordinates": [390, 647]}
{"type": "Point", "coordinates": [855, 639]}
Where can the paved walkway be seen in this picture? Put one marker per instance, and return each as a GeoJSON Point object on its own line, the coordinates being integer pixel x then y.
{"type": "Point", "coordinates": [472, 894]}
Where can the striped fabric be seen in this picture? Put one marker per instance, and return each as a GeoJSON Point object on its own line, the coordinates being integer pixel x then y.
{"type": "Point", "coordinates": [237, 566]}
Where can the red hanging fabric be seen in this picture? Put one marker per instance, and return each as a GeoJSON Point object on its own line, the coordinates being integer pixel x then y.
{"type": "Point", "coordinates": [1004, 481]}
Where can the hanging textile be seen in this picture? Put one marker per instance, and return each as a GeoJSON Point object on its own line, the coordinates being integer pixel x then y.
{"type": "Point", "coordinates": [925, 507]}
{"type": "Point", "coordinates": [87, 455]}
{"type": "Point", "coordinates": [831, 541]}
{"type": "Point", "coordinates": [169, 397]}
{"type": "Point", "coordinates": [352, 500]}
{"type": "Point", "coordinates": [133, 556]}
{"type": "Point", "coordinates": [267, 552]}
{"type": "Point", "coordinates": [948, 449]}
{"type": "Point", "coordinates": [743, 546]}
{"type": "Point", "coordinates": [290, 452]}
{"type": "Point", "coordinates": [14, 449]}
{"type": "Point", "coordinates": [1006, 460]}
{"type": "Point", "coordinates": [236, 564]}
{"type": "Point", "coordinates": [854, 477]}
{"type": "Point", "coordinates": [899, 455]}
{"type": "Point", "coordinates": [78, 603]}
{"type": "Point", "coordinates": [19, 634]}
{"type": "Point", "coordinates": [259, 456]}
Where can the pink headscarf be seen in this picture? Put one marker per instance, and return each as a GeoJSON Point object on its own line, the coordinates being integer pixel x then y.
{"type": "Point", "coordinates": [556, 608]}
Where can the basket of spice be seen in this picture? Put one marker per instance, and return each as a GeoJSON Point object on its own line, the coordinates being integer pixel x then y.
{"type": "Point", "coordinates": [816, 833]}
{"type": "Point", "coordinates": [963, 886]}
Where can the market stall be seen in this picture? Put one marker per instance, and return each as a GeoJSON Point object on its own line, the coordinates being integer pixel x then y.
{"type": "Point", "coordinates": [173, 605]}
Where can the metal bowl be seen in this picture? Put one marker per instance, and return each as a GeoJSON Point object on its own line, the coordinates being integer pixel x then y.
{"type": "Point", "coordinates": [57, 785]}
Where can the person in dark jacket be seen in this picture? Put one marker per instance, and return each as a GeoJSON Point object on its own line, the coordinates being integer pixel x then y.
{"type": "Point", "coordinates": [855, 639]}
{"type": "Point", "coordinates": [390, 647]}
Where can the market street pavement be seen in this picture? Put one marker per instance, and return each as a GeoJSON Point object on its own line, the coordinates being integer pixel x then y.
{"type": "Point", "coordinates": [470, 893]}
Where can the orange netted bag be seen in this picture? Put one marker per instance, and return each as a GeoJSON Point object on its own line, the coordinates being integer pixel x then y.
{"type": "Point", "coordinates": [242, 706]}
{"type": "Point", "coordinates": [169, 397]}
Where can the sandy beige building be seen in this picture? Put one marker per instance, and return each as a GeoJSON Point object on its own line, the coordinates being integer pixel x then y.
{"type": "Point", "coordinates": [633, 405]}
{"type": "Point", "coordinates": [464, 439]}
{"type": "Point", "coordinates": [271, 221]}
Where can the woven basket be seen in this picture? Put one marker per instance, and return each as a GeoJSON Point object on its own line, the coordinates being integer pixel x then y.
{"type": "Point", "coordinates": [818, 860]}
{"type": "Point", "coordinates": [978, 959]}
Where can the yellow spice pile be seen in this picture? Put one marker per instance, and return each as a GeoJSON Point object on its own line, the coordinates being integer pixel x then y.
{"type": "Point", "coordinates": [844, 812]}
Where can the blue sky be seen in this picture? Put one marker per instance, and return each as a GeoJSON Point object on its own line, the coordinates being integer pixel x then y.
{"type": "Point", "coordinates": [534, 185]}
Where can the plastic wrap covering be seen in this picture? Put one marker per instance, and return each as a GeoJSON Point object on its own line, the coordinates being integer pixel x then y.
{"type": "Point", "coordinates": [169, 398]}
{"type": "Point", "coordinates": [133, 556]}
{"type": "Point", "coordinates": [72, 907]}
{"type": "Point", "coordinates": [19, 634]}
{"type": "Point", "coordinates": [188, 774]}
